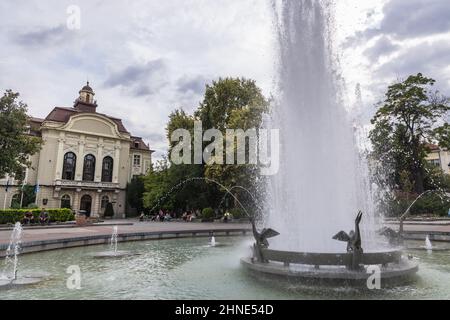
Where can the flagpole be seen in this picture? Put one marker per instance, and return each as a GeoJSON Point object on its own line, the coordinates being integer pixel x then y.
{"type": "Point", "coordinates": [23, 186]}
{"type": "Point", "coordinates": [6, 194]}
{"type": "Point", "coordinates": [37, 193]}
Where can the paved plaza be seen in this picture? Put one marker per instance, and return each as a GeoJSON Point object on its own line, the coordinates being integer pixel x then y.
{"type": "Point", "coordinates": [132, 226]}
{"type": "Point", "coordinates": [125, 227]}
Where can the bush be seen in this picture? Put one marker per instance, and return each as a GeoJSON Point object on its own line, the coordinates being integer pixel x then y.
{"type": "Point", "coordinates": [16, 215]}
{"type": "Point", "coordinates": [208, 213]}
{"type": "Point", "coordinates": [431, 204]}
{"type": "Point", "coordinates": [237, 213]}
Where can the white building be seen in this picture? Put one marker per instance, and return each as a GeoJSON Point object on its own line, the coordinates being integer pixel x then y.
{"type": "Point", "coordinates": [87, 159]}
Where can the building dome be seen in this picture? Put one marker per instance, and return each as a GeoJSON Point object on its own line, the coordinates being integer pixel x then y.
{"type": "Point", "coordinates": [87, 88]}
{"type": "Point", "coordinates": [87, 96]}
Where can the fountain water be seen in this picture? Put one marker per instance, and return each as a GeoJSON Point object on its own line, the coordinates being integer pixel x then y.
{"type": "Point", "coordinates": [428, 244]}
{"type": "Point", "coordinates": [9, 277]}
{"type": "Point", "coordinates": [12, 253]}
{"type": "Point", "coordinates": [323, 180]}
{"type": "Point", "coordinates": [213, 241]}
{"type": "Point", "coordinates": [113, 252]}
{"type": "Point", "coordinates": [113, 243]}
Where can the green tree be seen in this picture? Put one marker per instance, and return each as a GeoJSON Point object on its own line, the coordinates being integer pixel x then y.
{"type": "Point", "coordinates": [227, 104]}
{"type": "Point", "coordinates": [135, 193]}
{"type": "Point", "coordinates": [15, 145]}
{"type": "Point", "coordinates": [233, 103]}
{"type": "Point", "coordinates": [403, 125]}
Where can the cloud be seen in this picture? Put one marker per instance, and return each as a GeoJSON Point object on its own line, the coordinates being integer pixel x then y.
{"type": "Point", "coordinates": [415, 18]}
{"type": "Point", "coordinates": [140, 80]}
{"type": "Point", "coordinates": [192, 84]}
{"type": "Point", "coordinates": [42, 37]}
{"type": "Point", "coordinates": [430, 58]}
{"type": "Point", "coordinates": [382, 47]}
{"type": "Point", "coordinates": [407, 19]}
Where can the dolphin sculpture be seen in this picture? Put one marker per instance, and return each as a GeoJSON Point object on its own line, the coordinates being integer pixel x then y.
{"type": "Point", "coordinates": [261, 240]}
{"type": "Point", "coordinates": [353, 238]}
{"type": "Point", "coordinates": [394, 237]}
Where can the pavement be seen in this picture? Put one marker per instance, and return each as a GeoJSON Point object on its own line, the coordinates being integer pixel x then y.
{"type": "Point", "coordinates": [65, 232]}
{"type": "Point", "coordinates": [105, 229]}
{"type": "Point", "coordinates": [423, 226]}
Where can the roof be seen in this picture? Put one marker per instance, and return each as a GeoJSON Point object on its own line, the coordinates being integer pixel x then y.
{"type": "Point", "coordinates": [432, 147]}
{"type": "Point", "coordinates": [87, 88]}
{"type": "Point", "coordinates": [37, 120]}
{"type": "Point", "coordinates": [137, 143]}
{"type": "Point", "coordinates": [60, 114]}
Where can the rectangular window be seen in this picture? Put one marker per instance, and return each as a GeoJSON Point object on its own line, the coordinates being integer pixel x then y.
{"type": "Point", "coordinates": [435, 162]}
{"type": "Point", "coordinates": [137, 160]}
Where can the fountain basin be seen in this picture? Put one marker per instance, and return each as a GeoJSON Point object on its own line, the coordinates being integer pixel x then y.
{"type": "Point", "coordinates": [330, 266]}
{"type": "Point", "coordinates": [20, 282]}
{"type": "Point", "coordinates": [114, 254]}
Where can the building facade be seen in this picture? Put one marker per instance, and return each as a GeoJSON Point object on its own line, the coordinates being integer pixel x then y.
{"type": "Point", "coordinates": [86, 160]}
{"type": "Point", "coordinates": [439, 157]}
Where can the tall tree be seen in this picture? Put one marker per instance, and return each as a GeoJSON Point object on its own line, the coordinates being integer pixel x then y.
{"type": "Point", "coordinates": [15, 145]}
{"type": "Point", "coordinates": [403, 125]}
{"type": "Point", "coordinates": [233, 103]}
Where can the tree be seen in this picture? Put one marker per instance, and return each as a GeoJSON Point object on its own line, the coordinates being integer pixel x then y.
{"type": "Point", "coordinates": [135, 193]}
{"type": "Point", "coordinates": [233, 103]}
{"type": "Point", "coordinates": [227, 104]}
{"type": "Point", "coordinates": [404, 124]}
{"type": "Point", "coordinates": [15, 145]}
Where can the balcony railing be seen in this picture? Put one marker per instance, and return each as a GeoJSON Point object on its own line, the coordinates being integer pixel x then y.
{"type": "Point", "coordinates": [86, 184]}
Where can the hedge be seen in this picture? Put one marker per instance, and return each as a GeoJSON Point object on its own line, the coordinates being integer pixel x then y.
{"type": "Point", "coordinates": [208, 213]}
{"type": "Point", "coordinates": [16, 215]}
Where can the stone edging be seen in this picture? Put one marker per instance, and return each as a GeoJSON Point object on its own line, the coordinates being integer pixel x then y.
{"type": "Point", "coordinates": [54, 244]}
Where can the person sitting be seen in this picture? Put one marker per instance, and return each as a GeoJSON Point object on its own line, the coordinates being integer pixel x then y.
{"type": "Point", "coordinates": [44, 217]}
{"type": "Point", "coordinates": [28, 218]}
{"type": "Point", "coordinates": [167, 217]}
{"type": "Point", "coordinates": [184, 216]}
{"type": "Point", "coordinates": [142, 217]}
{"type": "Point", "coordinates": [226, 217]}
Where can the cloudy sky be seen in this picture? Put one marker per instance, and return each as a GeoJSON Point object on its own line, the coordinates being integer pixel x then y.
{"type": "Point", "coordinates": [145, 58]}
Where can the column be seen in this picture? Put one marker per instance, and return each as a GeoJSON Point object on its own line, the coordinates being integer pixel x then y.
{"type": "Point", "coordinates": [96, 204]}
{"type": "Point", "coordinates": [99, 161]}
{"type": "Point", "coordinates": [76, 201]}
{"type": "Point", "coordinates": [60, 157]}
{"type": "Point", "coordinates": [116, 167]}
{"type": "Point", "coordinates": [80, 159]}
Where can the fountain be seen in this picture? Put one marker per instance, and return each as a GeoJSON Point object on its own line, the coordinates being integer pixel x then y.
{"type": "Point", "coordinates": [428, 244]}
{"type": "Point", "coordinates": [213, 241]}
{"type": "Point", "coordinates": [323, 180]}
{"type": "Point", "coordinates": [113, 252]}
{"type": "Point", "coordinates": [9, 277]}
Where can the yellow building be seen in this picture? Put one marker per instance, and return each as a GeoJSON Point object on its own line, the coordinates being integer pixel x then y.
{"type": "Point", "coordinates": [87, 159]}
{"type": "Point", "coordinates": [439, 157]}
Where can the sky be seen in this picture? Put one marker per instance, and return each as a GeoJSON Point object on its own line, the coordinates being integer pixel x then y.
{"type": "Point", "coordinates": [145, 58]}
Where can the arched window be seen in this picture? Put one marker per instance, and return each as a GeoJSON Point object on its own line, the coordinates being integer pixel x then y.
{"type": "Point", "coordinates": [105, 201]}
{"type": "Point", "coordinates": [89, 168]}
{"type": "Point", "coordinates": [107, 169]}
{"type": "Point", "coordinates": [70, 162]}
{"type": "Point", "coordinates": [65, 201]}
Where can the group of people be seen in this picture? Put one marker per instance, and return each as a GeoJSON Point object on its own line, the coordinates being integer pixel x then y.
{"type": "Point", "coordinates": [161, 216]}
{"type": "Point", "coordinates": [44, 218]}
{"type": "Point", "coordinates": [189, 216]}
